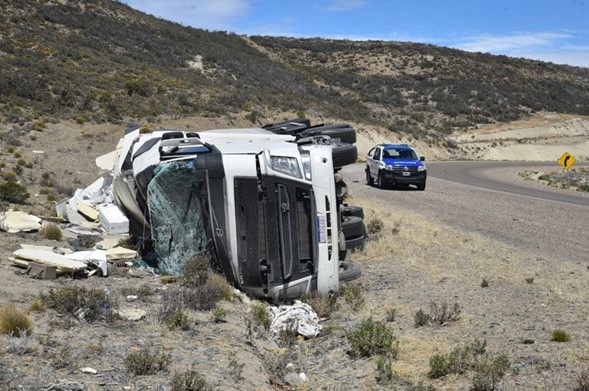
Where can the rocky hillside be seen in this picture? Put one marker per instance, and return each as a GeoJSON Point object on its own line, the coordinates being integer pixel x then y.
{"type": "Point", "coordinates": [95, 61]}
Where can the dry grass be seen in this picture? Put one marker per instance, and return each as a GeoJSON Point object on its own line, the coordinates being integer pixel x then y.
{"type": "Point", "coordinates": [13, 321]}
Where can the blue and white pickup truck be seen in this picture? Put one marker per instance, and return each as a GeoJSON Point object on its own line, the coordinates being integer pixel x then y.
{"type": "Point", "coordinates": [396, 165]}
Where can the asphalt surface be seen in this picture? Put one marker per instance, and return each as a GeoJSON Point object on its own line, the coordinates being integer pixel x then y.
{"type": "Point", "coordinates": [490, 198]}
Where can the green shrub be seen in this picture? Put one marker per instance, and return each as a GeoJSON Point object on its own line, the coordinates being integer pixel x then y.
{"type": "Point", "coordinates": [219, 314]}
{"type": "Point", "coordinates": [260, 315]}
{"type": "Point", "coordinates": [484, 283]}
{"type": "Point", "coordinates": [189, 381]}
{"type": "Point", "coordinates": [422, 319]}
{"type": "Point", "coordinates": [146, 362]}
{"type": "Point", "coordinates": [322, 303]}
{"type": "Point", "coordinates": [9, 176]}
{"type": "Point", "coordinates": [391, 314]}
{"type": "Point", "coordinates": [14, 322]}
{"type": "Point", "coordinates": [13, 192]}
{"type": "Point", "coordinates": [196, 271]}
{"type": "Point", "coordinates": [373, 338]}
{"type": "Point", "coordinates": [51, 231]}
{"type": "Point", "coordinates": [178, 320]}
{"type": "Point", "coordinates": [459, 360]}
{"type": "Point", "coordinates": [489, 373]}
{"type": "Point", "coordinates": [560, 336]}
{"type": "Point", "coordinates": [354, 295]}
{"type": "Point", "coordinates": [384, 369]}
{"type": "Point", "coordinates": [88, 304]}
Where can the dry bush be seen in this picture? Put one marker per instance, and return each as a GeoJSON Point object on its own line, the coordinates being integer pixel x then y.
{"type": "Point", "coordinates": [87, 304]}
{"type": "Point", "coordinates": [196, 271]}
{"type": "Point", "coordinates": [322, 303]}
{"type": "Point", "coordinates": [189, 381]}
{"type": "Point", "coordinates": [51, 231]}
{"type": "Point", "coordinates": [354, 295]}
{"type": "Point", "coordinates": [13, 321]}
{"type": "Point", "coordinates": [19, 344]}
{"type": "Point", "coordinates": [38, 305]}
{"type": "Point", "coordinates": [146, 362]}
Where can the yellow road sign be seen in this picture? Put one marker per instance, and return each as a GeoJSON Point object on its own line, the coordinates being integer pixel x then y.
{"type": "Point", "coordinates": [567, 160]}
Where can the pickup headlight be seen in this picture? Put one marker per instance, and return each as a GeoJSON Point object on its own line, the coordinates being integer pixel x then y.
{"type": "Point", "coordinates": [421, 168]}
{"type": "Point", "coordinates": [286, 165]}
{"type": "Point", "coordinates": [388, 167]}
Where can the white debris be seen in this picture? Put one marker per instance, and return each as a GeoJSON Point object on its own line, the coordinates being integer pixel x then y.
{"type": "Point", "coordinates": [299, 317]}
{"type": "Point", "coordinates": [16, 221]}
{"type": "Point", "coordinates": [113, 221]}
{"type": "Point", "coordinates": [89, 370]}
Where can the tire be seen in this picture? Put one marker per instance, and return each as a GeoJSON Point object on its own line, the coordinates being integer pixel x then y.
{"type": "Point", "coordinates": [343, 155]}
{"type": "Point", "coordinates": [379, 182]}
{"type": "Point", "coordinates": [291, 127]}
{"type": "Point", "coordinates": [349, 271]}
{"type": "Point", "coordinates": [369, 180]}
{"type": "Point", "coordinates": [344, 134]}
{"type": "Point", "coordinates": [356, 244]}
{"type": "Point", "coordinates": [353, 227]}
{"type": "Point", "coordinates": [421, 186]}
{"type": "Point", "coordinates": [353, 211]}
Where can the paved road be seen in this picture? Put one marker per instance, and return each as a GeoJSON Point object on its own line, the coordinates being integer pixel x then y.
{"type": "Point", "coordinates": [492, 199]}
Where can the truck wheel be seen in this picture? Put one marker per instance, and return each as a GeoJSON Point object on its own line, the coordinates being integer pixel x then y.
{"type": "Point", "coordinates": [349, 271]}
{"type": "Point", "coordinates": [356, 244]}
{"type": "Point", "coordinates": [344, 133]}
{"type": "Point", "coordinates": [353, 227]}
{"type": "Point", "coordinates": [343, 154]}
{"type": "Point", "coordinates": [369, 180]}
{"type": "Point", "coordinates": [350, 210]}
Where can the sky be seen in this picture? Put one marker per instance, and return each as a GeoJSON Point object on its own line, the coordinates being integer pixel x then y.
{"type": "Point", "coordinates": [549, 30]}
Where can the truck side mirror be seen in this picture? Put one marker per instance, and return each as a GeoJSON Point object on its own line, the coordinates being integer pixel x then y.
{"type": "Point", "coordinates": [422, 158]}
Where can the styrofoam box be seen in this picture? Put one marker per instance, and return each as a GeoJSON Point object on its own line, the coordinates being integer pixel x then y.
{"type": "Point", "coordinates": [113, 221]}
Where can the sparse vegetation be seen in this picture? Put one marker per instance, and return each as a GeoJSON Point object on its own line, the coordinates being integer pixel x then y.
{"type": "Point", "coordinates": [582, 381]}
{"type": "Point", "coordinates": [323, 304]}
{"type": "Point", "coordinates": [422, 318]}
{"type": "Point", "coordinates": [13, 192]}
{"type": "Point", "coordinates": [373, 338]}
{"type": "Point", "coordinates": [14, 322]}
{"type": "Point", "coordinates": [178, 320]}
{"type": "Point", "coordinates": [51, 231]}
{"type": "Point", "coordinates": [82, 303]}
{"type": "Point", "coordinates": [146, 361]}
{"type": "Point", "coordinates": [189, 381]}
{"type": "Point", "coordinates": [260, 315]}
{"type": "Point", "coordinates": [560, 336]}
{"type": "Point", "coordinates": [353, 293]}
{"type": "Point", "coordinates": [391, 314]}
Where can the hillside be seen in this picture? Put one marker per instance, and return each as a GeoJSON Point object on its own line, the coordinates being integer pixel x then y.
{"type": "Point", "coordinates": [99, 61]}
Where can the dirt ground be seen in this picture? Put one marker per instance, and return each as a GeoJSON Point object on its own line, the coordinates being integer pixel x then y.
{"type": "Point", "coordinates": [416, 262]}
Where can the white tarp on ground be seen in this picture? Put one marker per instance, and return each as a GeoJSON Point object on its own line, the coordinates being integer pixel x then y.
{"type": "Point", "coordinates": [16, 221]}
{"type": "Point", "coordinates": [299, 317]}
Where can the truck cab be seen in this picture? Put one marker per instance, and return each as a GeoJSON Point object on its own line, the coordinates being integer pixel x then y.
{"type": "Point", "coordinates": [262, 205]}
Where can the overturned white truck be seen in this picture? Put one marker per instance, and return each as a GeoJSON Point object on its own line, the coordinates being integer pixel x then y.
{"type": "Point", "coordinates": [262, 205]}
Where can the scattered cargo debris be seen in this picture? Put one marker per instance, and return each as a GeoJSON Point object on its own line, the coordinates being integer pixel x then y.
{"type": "Point", "coordinates": [17, 221]}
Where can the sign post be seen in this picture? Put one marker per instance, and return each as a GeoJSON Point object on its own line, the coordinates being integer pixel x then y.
{"type": "Point", "coordinates": [566, 161]}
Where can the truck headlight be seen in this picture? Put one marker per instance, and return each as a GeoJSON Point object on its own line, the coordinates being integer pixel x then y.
{"type": "Point", "coordinates": [420, 168]}
{"type": "Point", "coordinates": [286, 165]}
{"type": "Point", "coordinates": [306, 159]}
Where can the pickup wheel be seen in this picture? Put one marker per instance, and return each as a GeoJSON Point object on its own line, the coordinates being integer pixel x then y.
{"type": "Point", "coordinates": [353, 227]}
{"type": "Point", "coordinates": [343, 154]}
{"type": "Point", "coordinates": [369, 180]}
{"type": "Point", "coordinates": [379, 181]}
{"type": "Point", "coordinates": [349, 271]}
{"type": "Point", "coordinates": [350, 210]}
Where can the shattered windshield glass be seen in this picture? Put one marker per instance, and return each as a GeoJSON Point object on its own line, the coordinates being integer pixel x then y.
{"type": "Point", "coordinates": [177, 199]}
